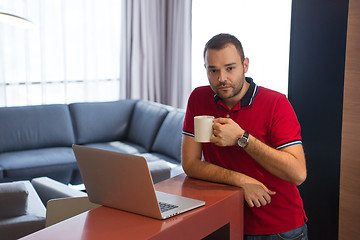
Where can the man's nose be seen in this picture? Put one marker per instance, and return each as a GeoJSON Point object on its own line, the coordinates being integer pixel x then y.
{"type": "Point", "coordinates": [222, 77]}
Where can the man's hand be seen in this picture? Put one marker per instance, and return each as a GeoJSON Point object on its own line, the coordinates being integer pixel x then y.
{"type": "Point", "coordinates": [256, 194]}
{"type": "Point", "coordinates": [226, 132]}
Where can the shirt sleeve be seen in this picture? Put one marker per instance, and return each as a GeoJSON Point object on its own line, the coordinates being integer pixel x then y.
{"type": "Point", "coordinates": [285, 128]}
{"type": "Point", "coordinates": [188, 127]}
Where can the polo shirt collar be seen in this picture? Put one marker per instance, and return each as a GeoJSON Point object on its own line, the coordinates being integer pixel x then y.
{"type": "Point", "coordinates": [249, 96]}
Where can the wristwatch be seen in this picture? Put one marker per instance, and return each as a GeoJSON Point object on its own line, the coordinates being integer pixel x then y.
{"type": "Point", "coordinates": [243, 140]}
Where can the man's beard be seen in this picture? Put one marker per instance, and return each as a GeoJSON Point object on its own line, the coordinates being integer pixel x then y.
{"type": "Point", "coordinates": [234, 91]}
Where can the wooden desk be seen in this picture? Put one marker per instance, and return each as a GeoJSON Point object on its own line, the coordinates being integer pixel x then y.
{"type": "Point", "coordinates": [223, 210]}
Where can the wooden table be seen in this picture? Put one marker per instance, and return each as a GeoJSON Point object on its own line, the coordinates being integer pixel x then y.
{"type": "Point", "coordinates": [220, 218]}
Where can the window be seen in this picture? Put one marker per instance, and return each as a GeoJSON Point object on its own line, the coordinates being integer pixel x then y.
{"type": "Point", "coordinates": [262, 26]}
{"type": "Point", "coordinates": [73, 55]}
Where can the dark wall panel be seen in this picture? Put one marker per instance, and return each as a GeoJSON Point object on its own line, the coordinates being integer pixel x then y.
{"type": "Point", "coordinates": [316, 80]}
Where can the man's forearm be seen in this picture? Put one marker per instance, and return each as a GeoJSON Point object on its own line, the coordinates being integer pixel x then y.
{"type": "Point", "coordinates": [195, 167]}
{"type": "Point", "coordinates": [213, 173]}
{"type": "Point", "coordinates": [287, 164]}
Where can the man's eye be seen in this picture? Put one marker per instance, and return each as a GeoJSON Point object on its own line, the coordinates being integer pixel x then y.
{"type": "Point", "coordinates": [230, 68]}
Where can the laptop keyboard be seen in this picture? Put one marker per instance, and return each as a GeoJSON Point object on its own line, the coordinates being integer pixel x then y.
{"type": "Point", "coordinates": [166, 206]}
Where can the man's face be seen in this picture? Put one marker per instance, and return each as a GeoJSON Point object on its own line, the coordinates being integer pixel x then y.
{"type": "Point", "coordinates": [226, 72]}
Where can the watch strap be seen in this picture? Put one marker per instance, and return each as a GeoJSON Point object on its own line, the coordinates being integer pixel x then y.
{"type": "Point", "coordinates": [246, 135]}
{"type": "Point", "coordinates": [243, 140]}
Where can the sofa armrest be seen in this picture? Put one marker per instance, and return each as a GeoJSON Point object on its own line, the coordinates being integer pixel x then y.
{"type": "Point", "coordinates": [13, 199]}
{"type": "Point", "coordinates": [48, 189]}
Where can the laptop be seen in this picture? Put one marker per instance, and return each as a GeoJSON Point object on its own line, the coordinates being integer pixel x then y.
{"type": "Point", "coordinates": [123, 181]}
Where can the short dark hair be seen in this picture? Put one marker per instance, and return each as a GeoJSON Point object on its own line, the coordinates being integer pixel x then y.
{"type": "Point", "coordinates": [221, 40]}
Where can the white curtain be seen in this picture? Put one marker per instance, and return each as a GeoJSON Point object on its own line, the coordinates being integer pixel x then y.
{"type": "Point", "coordinates": [156, 51]}
{"type": "Point", "coordinates": [73, 55]}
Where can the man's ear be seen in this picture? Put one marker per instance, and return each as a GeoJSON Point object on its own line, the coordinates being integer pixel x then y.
{"type": "Point", "coordinates": [246, 65]}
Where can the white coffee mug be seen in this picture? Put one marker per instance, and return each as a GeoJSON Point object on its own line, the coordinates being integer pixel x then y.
{"type": "Point", "coordinates": [203, 128]}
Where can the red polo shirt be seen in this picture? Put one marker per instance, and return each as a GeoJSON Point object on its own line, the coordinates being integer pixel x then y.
{"type": "Point", "coordinates": [268, 116]}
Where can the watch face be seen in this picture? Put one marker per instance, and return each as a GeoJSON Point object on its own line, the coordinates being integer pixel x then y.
{"type": "Point", "coordinates": [242, 142]}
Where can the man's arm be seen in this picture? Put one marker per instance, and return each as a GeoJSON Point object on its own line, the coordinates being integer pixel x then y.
{"type": "Point", "coordinates": [287, 163]}
{"type": "Point", "coordinates": [256, 193]}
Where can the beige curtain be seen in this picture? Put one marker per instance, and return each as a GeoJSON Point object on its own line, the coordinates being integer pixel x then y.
{"type": "Point", "coordinates": [156, 51]}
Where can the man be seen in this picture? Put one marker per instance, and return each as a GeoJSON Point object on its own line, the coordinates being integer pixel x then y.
{"type": "Point", "coordinates": [256, 143]}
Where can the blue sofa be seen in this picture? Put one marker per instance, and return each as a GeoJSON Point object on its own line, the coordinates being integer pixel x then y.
{"type": "Point", "coordinates": [36, 141]}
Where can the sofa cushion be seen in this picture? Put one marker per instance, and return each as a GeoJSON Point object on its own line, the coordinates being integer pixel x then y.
{"type": "Point", "coordinates": [101, 121]}
{"type": "Point", "coordinates": [33, 127]}
{"type": "Point", "coordinates": [145, 123]}
{"type": "Point", "coordinates": [13, 199]}
{"type": "Point", "coordinates": [117, 146]}
{"type": "Point", "coordinates": [38, 162]}
{"type": "Point", "coordinates": [168, 140]}
{"type": "Point", "coordinates": [18, 227]}
{"type": "Point", "coordinates": [173, 165]}
{"type": "Point", "coordinates": [159, 171]}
